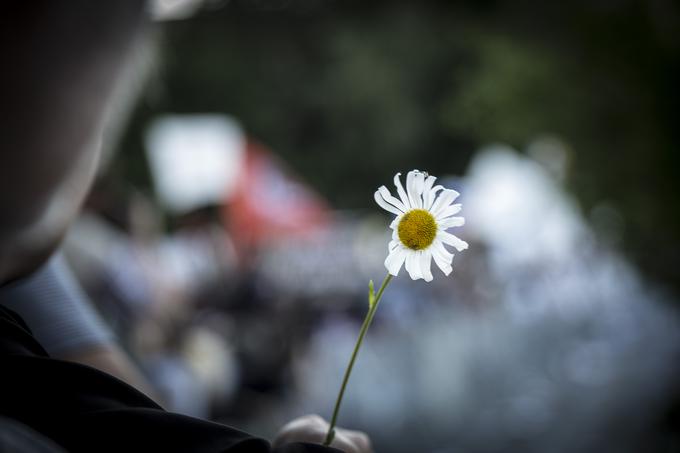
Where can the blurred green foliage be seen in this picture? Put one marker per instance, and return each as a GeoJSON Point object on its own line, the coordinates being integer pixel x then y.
{"type": "Point", "coordinates": [351, 92]}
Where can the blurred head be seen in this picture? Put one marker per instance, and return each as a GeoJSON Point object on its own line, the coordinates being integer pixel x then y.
{"type": "Point", "coordinates": [61, 63]}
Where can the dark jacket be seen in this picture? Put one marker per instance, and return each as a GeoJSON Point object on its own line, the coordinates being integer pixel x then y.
{"type": "Point", "coordinates": [85, 410]}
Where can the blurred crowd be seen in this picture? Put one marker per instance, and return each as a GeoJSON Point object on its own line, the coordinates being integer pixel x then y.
{"type": "Point", "coordinates": [544, 338]}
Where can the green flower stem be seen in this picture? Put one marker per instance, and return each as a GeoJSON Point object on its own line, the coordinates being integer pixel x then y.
{"type": "Point", "coordinates": [373, 300]}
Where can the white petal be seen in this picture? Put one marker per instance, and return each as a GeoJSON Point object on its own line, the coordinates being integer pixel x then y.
{"type": "Point", "coordinates": [412, 265]}
{"type": "Point", "coordinates": [431, 195]}
{"type": "Point", "coordinates": [395, 222]}
{"type": "Point", "coordinates": [411, 189]}
{"type": "Point", "coordinates": [442, 257]}
{"type": "Point", "coordinates": [429, 182]}
{"type": "Point", "coordinates": [451, 222]}
{"type": "Point", "coordinates": [438, 248]}
{"type": "Point", "coordinates": [443, 201]}
{"type": "Point", "coordinates": [395, 260]}
{"type": "Point", "coordinates": [450, 239]}
{"type": "Point", "coordinates": [401, 192]}
{"type": "Point", "coordinates": [385, 205]}
{"type": "Point", "coordinates": [417, 270]}
{"type": "Point", "coordinates": [420, 187]}
{"type": "Point", "coordinates": [425, 260]}
{"type": "Point", "coordinates": [408, 263]}
{"type": "Point", "coordinates": [451, 210]}
{"type": "Point", "coordinates": [387, 196]}
{"type": "Point", "coordinates": [392, 245]}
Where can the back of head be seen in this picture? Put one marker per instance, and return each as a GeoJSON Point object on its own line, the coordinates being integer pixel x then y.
{"type": "Point", "coordinates": [61, 62]}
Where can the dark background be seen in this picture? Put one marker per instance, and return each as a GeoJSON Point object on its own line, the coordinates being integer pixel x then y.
{"type": "Point", "coordinates": [350, 92]}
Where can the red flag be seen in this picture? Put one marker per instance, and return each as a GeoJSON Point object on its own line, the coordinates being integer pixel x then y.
{"type": "Point", "coordinates": [270, 205]}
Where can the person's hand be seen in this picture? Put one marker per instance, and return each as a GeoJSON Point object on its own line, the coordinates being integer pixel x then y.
{"type": "Point", "coordinates": [313, 428]}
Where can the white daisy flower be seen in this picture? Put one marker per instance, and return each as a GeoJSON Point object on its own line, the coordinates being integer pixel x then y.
{"type": "Point", "coordinates": [419, 230]}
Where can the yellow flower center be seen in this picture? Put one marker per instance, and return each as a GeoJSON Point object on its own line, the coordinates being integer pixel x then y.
{"type": "Point", "coordinates": [417, 229]}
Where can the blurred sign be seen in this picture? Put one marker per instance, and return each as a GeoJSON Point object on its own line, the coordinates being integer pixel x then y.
{"type": "Point", "coordinates": [194, 159]}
